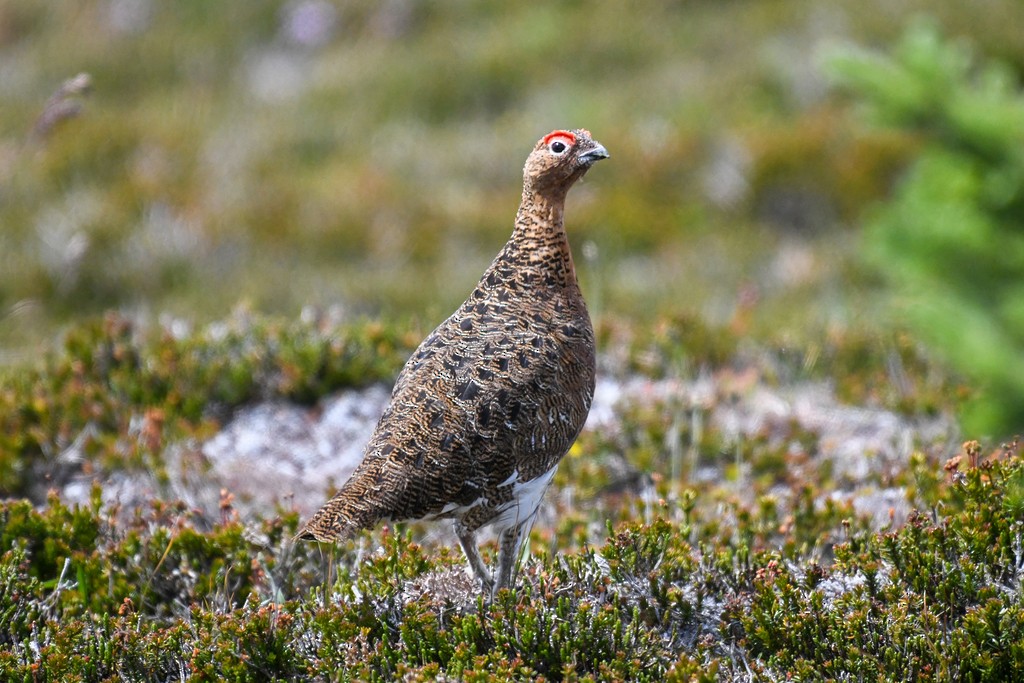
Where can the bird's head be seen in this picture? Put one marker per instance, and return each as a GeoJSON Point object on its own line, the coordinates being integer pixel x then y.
{"type": "Point", "coordinates": [560, 158]}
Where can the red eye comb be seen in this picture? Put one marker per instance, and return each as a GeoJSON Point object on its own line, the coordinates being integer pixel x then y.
{"type": "Point", "coordinates": [560, 134]}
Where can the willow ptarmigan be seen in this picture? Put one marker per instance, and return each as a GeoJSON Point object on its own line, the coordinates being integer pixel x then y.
{"type": "Point", "coordinates": [492, 399]}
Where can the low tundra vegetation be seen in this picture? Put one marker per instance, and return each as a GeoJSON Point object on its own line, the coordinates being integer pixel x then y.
{"type": "Point", "coordinates": [653, 576]}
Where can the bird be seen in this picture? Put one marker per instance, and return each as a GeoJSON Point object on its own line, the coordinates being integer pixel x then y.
{"type": "Point", "coordinates": [491, 400]}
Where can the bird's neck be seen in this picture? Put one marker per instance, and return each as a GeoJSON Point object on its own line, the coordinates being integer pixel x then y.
{"type": "Point", "coordinates": [539, 242]}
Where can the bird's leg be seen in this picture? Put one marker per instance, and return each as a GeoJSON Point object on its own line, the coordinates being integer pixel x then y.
{"type": "Point", "coordinates": [512, 547]}
{"type": "Point", "coordinates": [467, 539]}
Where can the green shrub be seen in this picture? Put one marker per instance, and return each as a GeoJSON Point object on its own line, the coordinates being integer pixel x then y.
{"type": "Point", "coordinates": [951, 238]}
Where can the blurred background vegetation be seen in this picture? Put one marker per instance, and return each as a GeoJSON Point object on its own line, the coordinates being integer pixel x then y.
{"type": "Point", "coordinates": [951, 237]}
{"type": "Point", "coordinates": [365, 156]}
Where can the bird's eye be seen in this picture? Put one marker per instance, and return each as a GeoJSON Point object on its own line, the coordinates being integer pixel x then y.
{"type": "Point", "coordinates": [557, 147]}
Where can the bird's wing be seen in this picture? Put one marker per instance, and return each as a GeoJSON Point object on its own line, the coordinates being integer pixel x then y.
{"type": "Point", "coordinates": [468, 414]}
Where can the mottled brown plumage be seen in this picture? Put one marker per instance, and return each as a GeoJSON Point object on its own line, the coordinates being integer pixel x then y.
{"type": "Point", "coordinates": [493, 398]}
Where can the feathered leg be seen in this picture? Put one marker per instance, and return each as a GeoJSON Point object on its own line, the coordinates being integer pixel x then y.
{"type": "Point", "coordinates": [512, 547]}
{"type": "Point", "coordinates": [467, 539]}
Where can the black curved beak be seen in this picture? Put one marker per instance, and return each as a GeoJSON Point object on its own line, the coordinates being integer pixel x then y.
{"type": "Point", "coordinates": [595, 153]}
